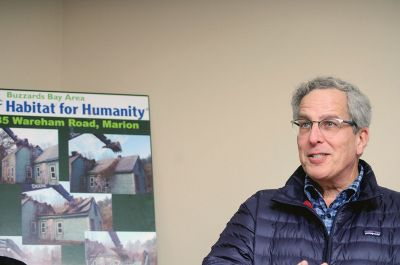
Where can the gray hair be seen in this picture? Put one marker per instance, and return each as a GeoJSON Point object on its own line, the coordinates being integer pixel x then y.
{"type": "Point", "coordinates": [358, 104]}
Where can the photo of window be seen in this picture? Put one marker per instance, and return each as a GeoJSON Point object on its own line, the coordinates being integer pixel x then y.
{"type": "Point", "coordinates": [62, 217]}
{"type": "Point", "coordinates": [98, 168]}
{"type": "Point", "coordinates": [28, 157]}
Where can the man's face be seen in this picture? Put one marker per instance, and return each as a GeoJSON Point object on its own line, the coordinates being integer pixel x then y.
{"type": "Point", "coordinates": [332, 160]}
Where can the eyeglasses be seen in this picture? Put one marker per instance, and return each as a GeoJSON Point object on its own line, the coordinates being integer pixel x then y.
{"type": "Point", "coordinates": [328, 127]}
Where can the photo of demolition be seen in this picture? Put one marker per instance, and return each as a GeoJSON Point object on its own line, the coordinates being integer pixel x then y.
{"type": "Point", "coordinates": [76, 178]}
{"type": "Point", "coordinates": [27, 157]}
{"type": "Point", "coordinates": [123, 248]}
{"type": "Point", "coordinates": [11, 246]}
{"type": "Point", "coordinates": [53, 216]}
{"type": "Point", "coordinates": [117, 164]}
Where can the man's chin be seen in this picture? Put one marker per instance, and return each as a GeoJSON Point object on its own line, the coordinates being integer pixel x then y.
{"type": "Point", "coordinates": [315, 172]}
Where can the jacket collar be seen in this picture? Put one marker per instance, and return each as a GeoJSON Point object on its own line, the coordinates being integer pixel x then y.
{"type": "Point", "coordinates": [293, 191]}
{"type": "Point", "coordinates": [369, 187]}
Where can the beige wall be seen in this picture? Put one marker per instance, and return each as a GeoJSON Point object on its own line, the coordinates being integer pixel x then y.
{"type": "Point", "coordinates": [30, 43]}
{"type": "Point", "coordinates": [219, 75]}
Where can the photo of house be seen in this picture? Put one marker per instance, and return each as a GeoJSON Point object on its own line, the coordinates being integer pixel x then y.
{"type": "Point", "coordinates": [33, 159]}
{"type": "Point", "coordinates": [11, 246]}
{"type": "Point", "coordinates": [51, 215]}
{"type": "Point", "coordinates": [45, 167]}
{"type": "Point", "coordinates": [73, 163]}
{"type": "Point", "coordinates": [122, 248]}
{"type": "Point", "coordinates": [95, 168]}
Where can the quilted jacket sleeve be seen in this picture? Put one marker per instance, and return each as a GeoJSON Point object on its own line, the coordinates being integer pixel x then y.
{"type": "Point", "coordinates": [236, 243]}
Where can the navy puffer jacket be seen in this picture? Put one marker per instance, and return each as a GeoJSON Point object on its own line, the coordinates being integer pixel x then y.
{"type": "Point", "coordinates": [276, 227]}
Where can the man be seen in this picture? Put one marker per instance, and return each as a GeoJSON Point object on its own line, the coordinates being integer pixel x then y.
{"type": "Point", "coordinates": [331, 210]}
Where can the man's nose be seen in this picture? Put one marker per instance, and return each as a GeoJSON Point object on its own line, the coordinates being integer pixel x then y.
{"type": "Point", "coordinates": [316, 135]}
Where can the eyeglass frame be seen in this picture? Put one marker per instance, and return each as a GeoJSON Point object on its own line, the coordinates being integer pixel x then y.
{"type": "Point", "coordinates": [341, 122]}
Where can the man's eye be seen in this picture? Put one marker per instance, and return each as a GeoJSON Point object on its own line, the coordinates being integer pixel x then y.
{"type": "Point", "coordinates": [330, 124]}
{"type": "Point", "coordinates": [305, 124]}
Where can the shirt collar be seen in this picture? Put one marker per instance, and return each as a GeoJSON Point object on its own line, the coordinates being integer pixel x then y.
{"type": "Point", "coordinates": [352, 191]}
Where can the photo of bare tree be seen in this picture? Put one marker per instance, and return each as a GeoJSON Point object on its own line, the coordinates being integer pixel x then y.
{"type": "Point", "coordinates": [28, 157]}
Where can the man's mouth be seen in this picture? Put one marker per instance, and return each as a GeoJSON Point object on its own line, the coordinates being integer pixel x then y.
{"type": "Point", "coordinates": [317, 155]}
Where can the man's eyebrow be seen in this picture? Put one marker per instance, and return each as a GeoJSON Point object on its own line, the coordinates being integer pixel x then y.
{"type": "Point", "coordinates": [323, 117]}
{"type": "Point", "coordinates": [330, 116]}
{"type": "Point", "coordinates": [303, 117]}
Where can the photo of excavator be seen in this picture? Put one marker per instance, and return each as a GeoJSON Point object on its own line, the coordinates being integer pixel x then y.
{"type": "Point", "coordinates": [25, 162]}
{"type": "Point", "coordinates": [95, 170]}
{"type": "Point", "coordinates": [104, 248]}
{"type": "Point", "coordinates": [114, 146]}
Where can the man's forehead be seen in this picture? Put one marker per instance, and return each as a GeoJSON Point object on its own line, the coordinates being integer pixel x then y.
{"type": "Point", "coordinates": [325, 103]}
{"type": "Point", "coordinates": [325, 96]}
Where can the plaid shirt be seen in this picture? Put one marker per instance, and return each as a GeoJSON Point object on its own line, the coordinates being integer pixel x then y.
{"type": "Point", "coordinates": [327, 214]}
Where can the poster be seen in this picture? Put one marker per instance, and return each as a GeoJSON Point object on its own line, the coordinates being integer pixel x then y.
{"type": "Point", "coordinates": [76, 181]}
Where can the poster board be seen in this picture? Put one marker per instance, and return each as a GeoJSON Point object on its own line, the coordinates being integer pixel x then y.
{"type": "Point", "coordinates": [76, 181]}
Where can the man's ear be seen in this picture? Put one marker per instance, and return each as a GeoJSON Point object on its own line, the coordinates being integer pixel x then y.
{"type": "Point", "coordinates": [362, 140]}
